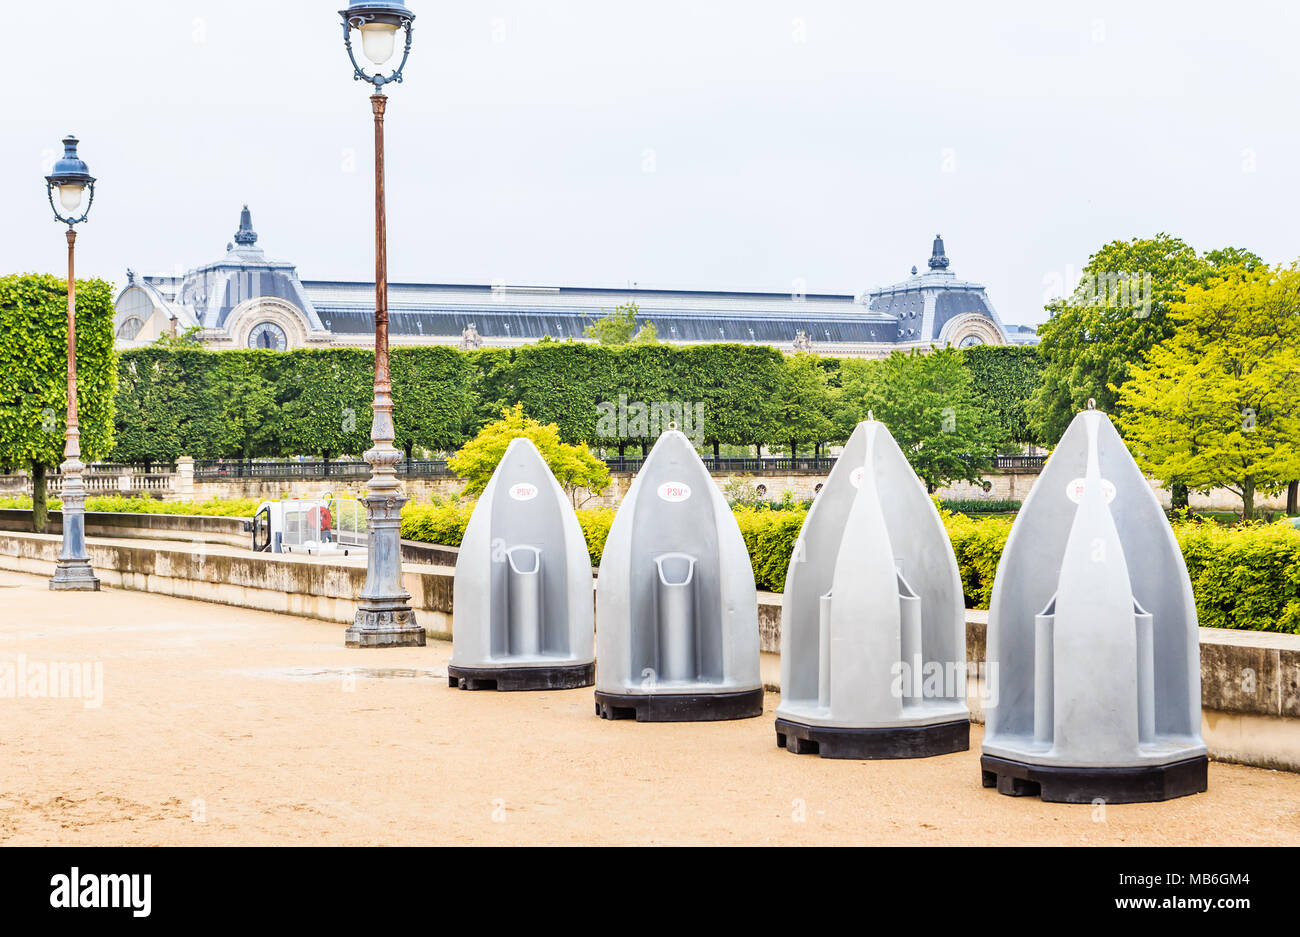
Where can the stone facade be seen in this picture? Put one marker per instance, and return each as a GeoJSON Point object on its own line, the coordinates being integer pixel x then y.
{"type": "Point", "coordinates": [245, 299]}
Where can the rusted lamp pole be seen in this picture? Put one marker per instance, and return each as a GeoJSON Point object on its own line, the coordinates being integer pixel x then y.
{"type": "Point", "coordinates": [72, 179]}
{"type": "Point", "coordinates": [384, 618]}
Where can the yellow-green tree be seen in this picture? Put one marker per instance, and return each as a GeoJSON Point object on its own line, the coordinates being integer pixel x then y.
{"type": "Point", "coordinates": [1218, 403]}
{"type": "Point", "coordinates": [620, 328]}
{"type": "Point", "coordinates": [574, 467]}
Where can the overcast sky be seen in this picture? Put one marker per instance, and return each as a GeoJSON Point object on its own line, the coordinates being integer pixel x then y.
{"type": "Point", "coordinates": [713, 144]}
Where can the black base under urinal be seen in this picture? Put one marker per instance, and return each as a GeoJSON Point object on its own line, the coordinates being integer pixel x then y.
{"type": "Point", "coordinates": [943, 738]}
{"type": "Point", "coordinates": [680, 707]}
{"type": "Point", "coordinates": [507, 679]}
{"type": "Point", "coordinates": [1068, 785]}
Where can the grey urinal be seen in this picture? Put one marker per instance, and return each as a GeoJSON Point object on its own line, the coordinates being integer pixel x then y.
{"type": "Point", "coordinates": [522, 599]}
{"type": "Point", "coordinates": [676, 609]}
{"type": "Point", "coordinates": [1093, 653]}
{"type": "Point", "coordinates": [873, 629]}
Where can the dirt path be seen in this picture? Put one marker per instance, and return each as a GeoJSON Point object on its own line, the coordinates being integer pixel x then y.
{"type": "Point", "coordinates": [224, 726]}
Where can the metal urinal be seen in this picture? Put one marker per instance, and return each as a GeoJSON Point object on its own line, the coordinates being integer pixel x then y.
{"type": "Point", "coordinates": [676, 608]}
{"type": "Point", "coordinates": [1093, 648]}
{"type": "Point", "coordinates": [522, 599]}
{"type": "Point", "coordinates": [873, 635]}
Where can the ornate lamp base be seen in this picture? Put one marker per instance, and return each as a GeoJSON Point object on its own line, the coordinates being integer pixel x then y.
{"type": "Point", "coordinates": [74, 576]}
{"type": "Point", "coordinates": [73, 572]}
{"type": "Point", "coordinates": [384, 617]}
{"type": "Point", "coordinates": [384, 628]}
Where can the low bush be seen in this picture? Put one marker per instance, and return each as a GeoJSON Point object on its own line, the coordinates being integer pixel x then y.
{"type": "Point", "coordinates": [978, 545]}
{"type": "Point", "coordinates": [1245, 577]}
{"type": "Point", "coordinates": [142, 504]}
{"type": "Point", "coordinates": [979, 506]}
{"type": "Point", "coordinates": [441, 522]}
{"type": "Point", "coordinates": [595, 527]}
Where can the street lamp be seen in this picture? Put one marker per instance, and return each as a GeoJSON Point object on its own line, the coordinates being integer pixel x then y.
{"type": "Point", "coordinates": [72, 179]}
{"type": "Point", "coordinates": [384, 617]}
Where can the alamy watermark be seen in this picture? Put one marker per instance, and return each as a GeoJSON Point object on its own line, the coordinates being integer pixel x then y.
{"type": "Point", "coordinates": [36, 679]}
{"type": "Point", "coordinates": [932, 679]}
{"type": "Point", "coordinates": [1113, 289]}
{"type": "Point", "coordinates": [638, 419]}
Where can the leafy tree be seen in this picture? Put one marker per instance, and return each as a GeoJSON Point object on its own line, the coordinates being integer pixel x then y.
{"type": "Point", "coordinates": [739, 386]}
{"type": "Point", "coordinates": [324, 400]}
{"type": "Point", "coordinates": [433, 397]}
{"type": "Point", "coordinates": [1219, 402]}
{"type": "Point", "coordinates": [242, 410]}
{"type": "Point", "coordinates": [620, 328]}
{"type": "Point", "coordinates": [34, 378]}
{"type": "Point", "coordinates": [804, 403]}
{"type": "Point", "coordinates": [561, 383]}
{"type": "Point", "coordinates": [1118, 312]}
{"type": "Point", "coordinates": [160, 410]}
{"type": "Point", "coordinates": [1005, 377]}
{"type": "Point", "coordinates": [929, 405]}
{"type": "Point", "coordinates": [573, 466]}
{"type": "Point", "coordinates": [187, 339]}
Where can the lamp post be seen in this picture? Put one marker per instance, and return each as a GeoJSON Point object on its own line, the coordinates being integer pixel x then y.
{"type": "Point", "coordinates": [384, 617]}
{"type": "Point", "coordinates": [73, 181]}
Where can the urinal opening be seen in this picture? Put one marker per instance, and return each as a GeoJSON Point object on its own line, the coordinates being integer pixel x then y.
{"type": "Point", "coordinates": [678, 642]}
{"type": "Point", "coordinates": [675, 569]}
{"type": "Point", "coordinates": [524, 606]}
{"type": "Point", "coordinates": [524, 559]}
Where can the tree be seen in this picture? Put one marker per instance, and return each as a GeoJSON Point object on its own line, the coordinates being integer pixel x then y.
{"type": "Point", "coordinates": [433, 397]}
{"type": "Point", "coordinates": [804, 402]}
{"type": "Point", "coordinates": [1118, 312]}
{"type": "Point", "coordinates": [930, 407]}
{"type": "Point", "coordinates": [324, 400]}
{"type": "Point", "coordinates": [620, 328]}
{"type": "Point", "coordinates": [1218, 404]}
{"type": "Point", "coordinates": [34, 378]}
{"type": "Point", "coordinates": [160, 411]}
{"type": "Point", "coordinates": [738, 386]}
{"type": "Point", "coordinates": [1005, 378]}
{"type": "Point", "coordinates": [573, 466]}
{"type": "Point", "coordinates": [243, 413]}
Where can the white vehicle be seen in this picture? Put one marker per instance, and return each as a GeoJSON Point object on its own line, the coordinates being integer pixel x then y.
{"type": "Point", "coordinates": [321, 526]}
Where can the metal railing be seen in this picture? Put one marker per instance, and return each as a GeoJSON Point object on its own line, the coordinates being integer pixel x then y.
{"type": "Point", "coordinates": [311, 468]}
{"type": "Point", "coordinates": [741, 466]}
{"type": "Point", "coordinates": [208, 469]}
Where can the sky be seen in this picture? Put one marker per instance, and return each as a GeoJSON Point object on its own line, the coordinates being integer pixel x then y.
{"type": "Point", "coordinates": [774, 145]}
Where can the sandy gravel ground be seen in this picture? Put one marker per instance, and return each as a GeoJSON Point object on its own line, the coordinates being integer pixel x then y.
{"type": "Point", "coordinates": [227, 726]}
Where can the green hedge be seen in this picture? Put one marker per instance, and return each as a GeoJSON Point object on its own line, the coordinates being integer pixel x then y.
{"type": "Point", "coordinates": [1244, 577]}
{"type": "Point", "coordinates": [122, 504]}
{"type": "Point", "coordinates": [253, 403]}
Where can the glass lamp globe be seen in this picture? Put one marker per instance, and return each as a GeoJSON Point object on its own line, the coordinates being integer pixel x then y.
{"type": "Point", "coordinates": [378, 40]}
{"type": "Point", "coordinates": [70, 197]}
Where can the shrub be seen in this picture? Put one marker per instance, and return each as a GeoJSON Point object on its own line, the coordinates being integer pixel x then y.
{"type": "Point", "coordinates": [769, 538]}
{"type": "Point", "coordinates": [978, 545]}
{"type": "Point", "coordinates": [1245, 577]}
{"type": "Point", "coordinates": [440, 522]}
{"type": "Point", "coordinates": [143, 504]}
{"type": "Point", "coordinates": [595, 528]}
{"type": "Point", "coordinates": [979, 506]}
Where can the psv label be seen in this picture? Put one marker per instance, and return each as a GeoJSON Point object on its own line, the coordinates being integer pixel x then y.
{"type": "Point", "coordinates": [674, 491]}
{"type": "Point", "coordinates": [523, 491]}
{"type": "Point", "coordinates": [1074, 490]}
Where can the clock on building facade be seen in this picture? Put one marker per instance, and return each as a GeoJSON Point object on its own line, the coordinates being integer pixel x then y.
{"type": "Point", "coordinates": [268, 335]}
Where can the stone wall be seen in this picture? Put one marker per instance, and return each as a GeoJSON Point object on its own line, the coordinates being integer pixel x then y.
{"type": "Point", "coordinates": [1009, 485]}
{"type": "Point", "coordinates": [1250, 681]}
